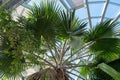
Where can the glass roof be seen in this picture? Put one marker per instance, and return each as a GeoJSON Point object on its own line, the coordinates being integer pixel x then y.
{"type": "Point", "coordinates": [94, 11]}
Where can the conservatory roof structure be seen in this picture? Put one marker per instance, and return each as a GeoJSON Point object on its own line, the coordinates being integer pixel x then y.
{"type": "Point", "coordinates": [92, 11]}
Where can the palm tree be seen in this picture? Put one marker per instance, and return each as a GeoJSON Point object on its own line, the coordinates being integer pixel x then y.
{"type": "Point", "coordinates": [58, 43]}
{"type": "Point", "coordinates": [64, 57]}
{"type": "Point", "coordinates": [53, 29]}
{"type": "Point", "coordinates": [105, 48]}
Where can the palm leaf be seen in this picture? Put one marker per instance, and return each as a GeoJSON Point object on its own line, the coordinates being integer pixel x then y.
{"type": "Point", "coordinates": [104, 39]}
{"type": "Point", "coordinates": [11, 56]}
{"type": "Point", "coordinates": [99, 74]}
{"type": "Point", "coordinates": [109, 70]}
{"type": "Point", "coordinates": [105, 46]}
{"type": "Point", "coordinates": [72, 25]}
{"type": "Point", "coordinates": [106, 29]}
{"type": "Point", "coordinates": [46, 20]}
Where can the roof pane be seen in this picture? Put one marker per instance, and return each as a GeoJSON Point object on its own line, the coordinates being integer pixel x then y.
{"type": "Point", "coordinates": [82, 13]}
{"type": "Point", "coordinates": [95, 21]}
{"type": "Point", "coordinates": [116, 1]}
{"type": "Point", "coordinates": [34, 1]}
{"type": "Point", "coordinates": [96, 9]}
{"type": "Point", "coordinates": [119, 19]}
{"type": "Point", "coordinates": [95, 6]}
{"type": "Point", "coordinates": [112, 11]}
{"type": "Point", "coordinates": [96, 0]}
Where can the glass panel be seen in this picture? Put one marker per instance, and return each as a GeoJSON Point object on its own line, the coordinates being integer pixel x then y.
{"type": "Point", "coordinates": [116, 1]}
{"type": "Point", "coordinates": [96, 0]}
{"type": "Point", "coordinates": [118, 20]}
{"type": "Point", "coordinates": [34, 1]}
{"type": "Point", "coordinates": [75, 4]}
{"type": "Point", "coordinates": [96, 9]}
{"type": "Point", "coordinates": [95, 21]}
{"type": "Point", "coordinates": [60, 4]}
{"type": "Point", "coordinates": [82, 13]}
{"type": "Point", "coordinates": [112, 11]}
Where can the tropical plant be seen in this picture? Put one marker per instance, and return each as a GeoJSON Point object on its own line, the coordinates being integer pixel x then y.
{"type": "Point", "coordinates": [105, 47]}
{"type": "Point", "coordinates": [11, 59]}
{"type": "Point", "coordinates": [57, 43]}
{"type": "Point", "coordinates": [109, 70]}
{"type": "Point", "coordinates": [54, 29]}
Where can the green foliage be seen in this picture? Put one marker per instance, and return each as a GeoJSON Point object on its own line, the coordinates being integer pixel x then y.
{"type": "Point", "coordinates": [105, 46]}
{"type": "Point", "coordinates": [11, 56]}
{"type": "Point", "coordinates": [99, 74]}
{"type": "Point", "coordinates": [46, 20]}
{"type": "Point", "coordinates": [108, 49]}
{"type": "Point", "coordinates": [104, 40]}
{"type": "Point", "coordinates": [72, 25]}
{"type": "Point", "coordinates": [44, 38]}
{"type": "Point", "coordinates": [109, 70]}
{"type": "Point", "coordinates": [106, 29]}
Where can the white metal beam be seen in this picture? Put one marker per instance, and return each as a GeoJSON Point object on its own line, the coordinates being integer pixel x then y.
{"type": "Point", "coordinates": [117, 17]}
{"type": "Point", "coordinates": [89, 17]}
{"type": "Point", "coordinates": [104, 10]}
{"type": "Point", "coordinates": [64, 4]}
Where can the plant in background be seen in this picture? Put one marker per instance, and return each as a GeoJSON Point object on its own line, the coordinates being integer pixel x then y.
{"type": "Point", "coordinates": [11, 59]}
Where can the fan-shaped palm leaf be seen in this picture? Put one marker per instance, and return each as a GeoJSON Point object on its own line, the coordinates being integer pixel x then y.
{"type": "Point", "coordinates": [104, 38]}
{"type": "Point", "coordinates": [46, 20]}
{"type": "Point", "coordinates": [50, 21]}
{"type": "Point", "coordinates": [106, 45]}
{"type": "Point", "coordinates": [73, 26]}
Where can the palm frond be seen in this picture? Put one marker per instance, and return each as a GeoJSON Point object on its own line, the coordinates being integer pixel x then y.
{"type": "Point", "coordinates": [105, 29]}
{"type": "Point", "coordinates": [46, 20]}
{"type": "Point", "coordinates": [105, 47]}
{"type": "Point", "coordinates": [104, 39]}
{"type": "Point", "coordinates": [72, 25]}
{"type": "Point", "coordinates": [99, 74]}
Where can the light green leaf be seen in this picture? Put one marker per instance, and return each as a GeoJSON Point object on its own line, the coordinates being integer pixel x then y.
{"type": "Point", "coordinates": [110, 71]}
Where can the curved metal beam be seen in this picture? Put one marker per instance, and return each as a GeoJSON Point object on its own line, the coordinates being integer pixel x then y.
{"type": "Point", "coordinates": [94, 17]}
{"type": "Point", "coordinates": [104, 10]}
{"type": "Point", "coordinates": [88, 11]}
{"type": "Point", "coordinates": [64, 4]}
{"type": "Point", "coordinates": [117, 17]}
{"type": "Point", "coordinates": [101, 2]}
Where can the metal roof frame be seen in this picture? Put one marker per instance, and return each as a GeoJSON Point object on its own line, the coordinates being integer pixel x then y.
{"type": "Point", "coordinates": [25, 4]}
{"type": "Point", "coordinates": [104, 10]}
{"type": "Point", "coordinates": [13, 3]}
{"type": "Point", "coordinates": [117, 17]}
{"type": "Point", "coordinates": [89, 17]}
{"type": "Point", "coordinates": [64, 4]}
